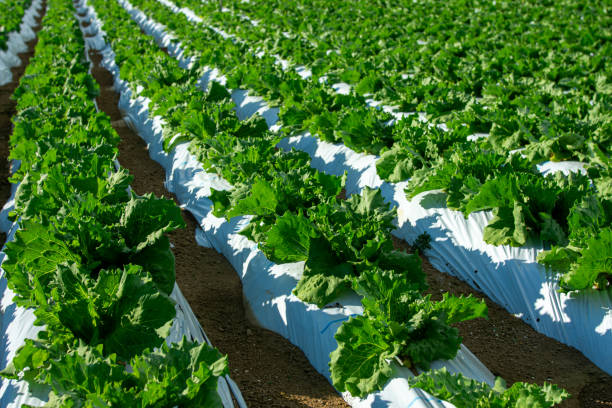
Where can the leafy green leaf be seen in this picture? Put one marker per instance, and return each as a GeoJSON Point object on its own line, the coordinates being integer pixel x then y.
{"type": "Point", "coordinates": [325, 276]}
{"type": "Point", "coordinates": [359, 364]}
{"type": "Point", "coordinates": [594, 266]}
{"type": "Point", "coordinates": [34, 255]}
{"type": "Point", "coordinates": [464, 392]}
{"type": "Point", "coordinates": [288, 240]}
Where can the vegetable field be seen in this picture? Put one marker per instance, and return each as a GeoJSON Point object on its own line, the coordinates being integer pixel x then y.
{"type": "Point", "coordinates": [335, 154]}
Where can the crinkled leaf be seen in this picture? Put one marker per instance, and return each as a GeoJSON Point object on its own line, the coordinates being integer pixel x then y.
{"type": "Point", "coordinates": [325, 276]}
{"type": "Point", "coordinates": [184, 374]}
{"type": "Point", "coordinates": [359, 364]}
{"type": "Point", "coordinates": [594, 266]}
{"type": "Point", "coordinates": [288, 240]}
{"type": "Point", "coordinates": [34, 254]}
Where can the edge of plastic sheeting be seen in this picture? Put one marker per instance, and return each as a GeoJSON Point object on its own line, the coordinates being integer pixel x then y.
{"type": "Point", "coordinates": [16, 43]}
{"type": "Point", "coordinates": [16, 324]}
{"type": "Point", "coordinates": [414, 398]}
{"type": "Point", "coordinates": [510, 276]}
{"type": "Point", "coordinates": [186, 324]}
{"type": "Point", "coordinates": [6, 75]}
{"type": "Point", "coordinates": [267, 286]}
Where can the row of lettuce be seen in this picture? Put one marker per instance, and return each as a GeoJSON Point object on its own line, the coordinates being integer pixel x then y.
{"type": "Point", "coordinates": [10, 19]}
{"type": "Point", "coordinates": [90, 257]}
{"type": "Point", "coordinates": [300, 215]}
{"type": "Point", "coordinates": [475, 65]}
{"type": "Point", "coordinates": [570, 215]}
{"type": "Point", "coordinates": [462, 49]}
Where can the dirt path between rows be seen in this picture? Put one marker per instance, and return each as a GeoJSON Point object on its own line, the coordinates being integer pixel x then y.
{"type": "Point", "coordinates": [269, 370]}
{"type": "Point", "coordinates": [7, 110]}
{"type": "Point", "coordinates": [512, 349]}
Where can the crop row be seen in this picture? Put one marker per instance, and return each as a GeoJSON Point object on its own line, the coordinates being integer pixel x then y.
{"type": "Point", "coordinates": [345, 243]}
{"type": "Point", "coordinates": [90, 257]}
{"type": "Point", "coordinates": [570, 214]}
{"type": "Point", "coordinates": [440, 58]}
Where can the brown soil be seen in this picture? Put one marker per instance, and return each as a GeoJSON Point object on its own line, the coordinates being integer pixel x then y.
{"type": "Point", "coordinates": [513, 350]}
{"type": "Point", "coordinates": [269, 370]}
{"type": "Point", "coordinates": [7, 110]}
